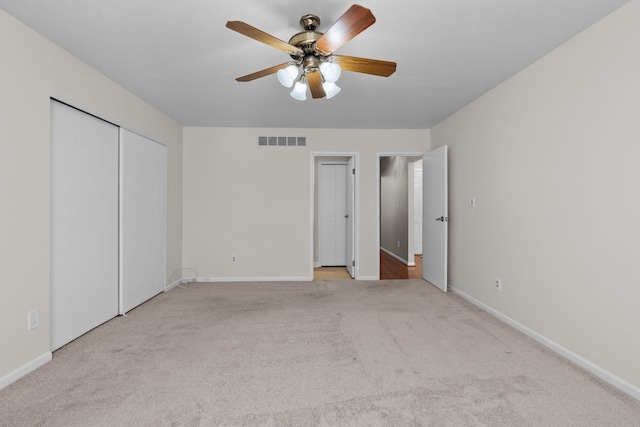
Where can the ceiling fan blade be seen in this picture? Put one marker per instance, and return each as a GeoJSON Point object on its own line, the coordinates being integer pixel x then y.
{"type": "Point", "coordinates": [261, 36]}
{"type": "Point", "coordinates": [314, 78]}
{"type": "Point", "coordinates": [354, 21]}
{"type": "Point", "coordinates": [365, 65]}
{"type": "Point", "coordinates": [262, 73]}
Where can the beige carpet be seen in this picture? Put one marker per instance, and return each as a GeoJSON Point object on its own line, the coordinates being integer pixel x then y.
{"type": "Point", "coordinates": [326, 353]}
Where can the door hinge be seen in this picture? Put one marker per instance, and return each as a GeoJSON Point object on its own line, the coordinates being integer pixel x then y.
{"type": "Point", "coordinates": [353, 171]}
{"type": "Point", "coordinates": [353, 263]}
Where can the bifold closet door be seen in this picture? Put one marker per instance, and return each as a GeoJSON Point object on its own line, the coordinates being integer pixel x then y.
{"type": "Point", "coordinates": [84, 223]}
{"type": "Point", "coordinates": [142, 219]}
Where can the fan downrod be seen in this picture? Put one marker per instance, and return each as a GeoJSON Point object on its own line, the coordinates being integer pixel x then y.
{"type": "Point", "coordinates": [310, 22]}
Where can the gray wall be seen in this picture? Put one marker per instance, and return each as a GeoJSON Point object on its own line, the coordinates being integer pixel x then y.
{"type": "Point", "coordinates": [394, 206]}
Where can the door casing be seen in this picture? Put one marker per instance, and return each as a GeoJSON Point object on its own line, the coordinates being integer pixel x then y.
{"type": "Point", "coordinates": [343, 156]}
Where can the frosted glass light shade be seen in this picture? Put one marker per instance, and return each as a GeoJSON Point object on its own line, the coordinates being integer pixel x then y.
{"type": "Point", "coordinates": [330, 71]}
{"type": "Point", "coordinates": [299, 91]}
{"type": "Point", "coordinates": [288, 75]}
{"type": "Point", "coordinates": [330, 89]}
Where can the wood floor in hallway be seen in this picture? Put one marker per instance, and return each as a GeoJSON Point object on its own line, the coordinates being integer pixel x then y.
{"type": "Point", "coordinates": [330, 273]}
{"type": "Point", "coordinates": [391, 268]}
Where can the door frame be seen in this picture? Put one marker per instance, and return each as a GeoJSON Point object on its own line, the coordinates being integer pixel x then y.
{"type": "Point", "coordinates": [379, 157]}
{"type": "Point", "coordinates": [356, 206]}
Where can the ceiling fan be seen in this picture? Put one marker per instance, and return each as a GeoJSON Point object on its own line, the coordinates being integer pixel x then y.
{"type": "Point", "coordinates": [313, 61]}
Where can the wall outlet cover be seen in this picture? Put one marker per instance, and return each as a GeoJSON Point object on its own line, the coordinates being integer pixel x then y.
{"type": "Point", "coordinates": [33, 319]}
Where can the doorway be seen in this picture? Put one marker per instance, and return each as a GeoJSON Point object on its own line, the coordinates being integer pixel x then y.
{"type": "Point", "coordinates": [435, 218]}
{"type": "Point", "coordinates": [400, 205]}
{"type": "Point", "coordinates": [334, 215]}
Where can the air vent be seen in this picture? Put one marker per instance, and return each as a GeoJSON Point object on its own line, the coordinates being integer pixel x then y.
{"type": "Point", "coordinates": [282, 141]}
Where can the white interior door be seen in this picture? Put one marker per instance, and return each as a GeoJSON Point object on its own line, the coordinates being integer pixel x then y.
{"type": "Point", "coordinates": [333, 211]}
{"type": "Point", "coordinates": [351, 182]}
{"type": "Point", "coordinates": [142, 219]}
{"type": "Point", "coordinates": [435, 218]}
{"type": "Point", "coordinates": [84, 223]}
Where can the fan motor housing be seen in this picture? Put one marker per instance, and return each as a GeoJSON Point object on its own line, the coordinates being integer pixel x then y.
{"type": "Point", "coordinates": [305, 40]}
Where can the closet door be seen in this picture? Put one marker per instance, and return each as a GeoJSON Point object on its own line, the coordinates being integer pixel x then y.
{"type": "Point", "coordinates": [142, 219]}
{"type": "Point", "coordinates": [84, 223]}
{"type": "Point", "coordinates": [333, 211]}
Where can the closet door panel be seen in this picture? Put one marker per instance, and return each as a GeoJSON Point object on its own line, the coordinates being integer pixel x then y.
{"type": "Point", "coordinates": [84, 223]}
{"type": "Point", "coordinates": [142, 219]}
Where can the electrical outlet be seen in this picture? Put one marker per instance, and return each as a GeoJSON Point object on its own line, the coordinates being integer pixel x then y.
{"type": "Point", "coordinates": [33, 319]}
{"type": "Point", "coordinates": [234, 259]}
{"type": "Point", "coordinates": [498, 283]}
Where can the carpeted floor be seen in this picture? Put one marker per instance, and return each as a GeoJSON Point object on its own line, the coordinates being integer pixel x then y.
{"type": "Point", "coordinates": [324, 353]}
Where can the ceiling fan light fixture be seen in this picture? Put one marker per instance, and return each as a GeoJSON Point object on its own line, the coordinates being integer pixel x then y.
{"type": "Point", "coordinates": [314, 63]}
{"type": "Point", "coordinates": [299, 91]}
{"type": "Point", "coordinates": [330, 71]}
{"type": "Point", "coordinates": [288, 75]}
{"type": "Point", "coordinates": [330, 89]}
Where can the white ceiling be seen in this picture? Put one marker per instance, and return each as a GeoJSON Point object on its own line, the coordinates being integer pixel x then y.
{"type": "Point", "coordinates": [180, 57]}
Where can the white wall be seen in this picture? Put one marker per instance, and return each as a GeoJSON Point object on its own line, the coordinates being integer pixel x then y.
{"type": "Point", "coordinates": [551, 157]}
{"type": "Point", "coordinates": [33, 69]}
{"type": "Point", "coordinates": [254, 202]}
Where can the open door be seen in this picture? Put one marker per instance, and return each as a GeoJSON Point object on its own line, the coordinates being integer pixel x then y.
{"type": "Point", "coordinates": [435, 220]}
{"type": "Point", "coordinates": [351, 180]}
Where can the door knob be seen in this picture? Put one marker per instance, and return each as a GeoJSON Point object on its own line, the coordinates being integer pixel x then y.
{"type": "Point", "coordinates": [346, 216]}
{"type": "Point", "coordinates": [443, 219]}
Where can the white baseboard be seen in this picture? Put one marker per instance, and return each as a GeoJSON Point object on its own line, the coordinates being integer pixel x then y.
{"type": "Point", "coordinates": [255, 279]}
{"type": "Point", "coordinates": [15, 375]}
{"type": "Point", "coordinates": [596, 370]}
{"type": "Point", "coordinates": [268, 279]}
{"type": "Point", "coordinates": [392, 255]}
